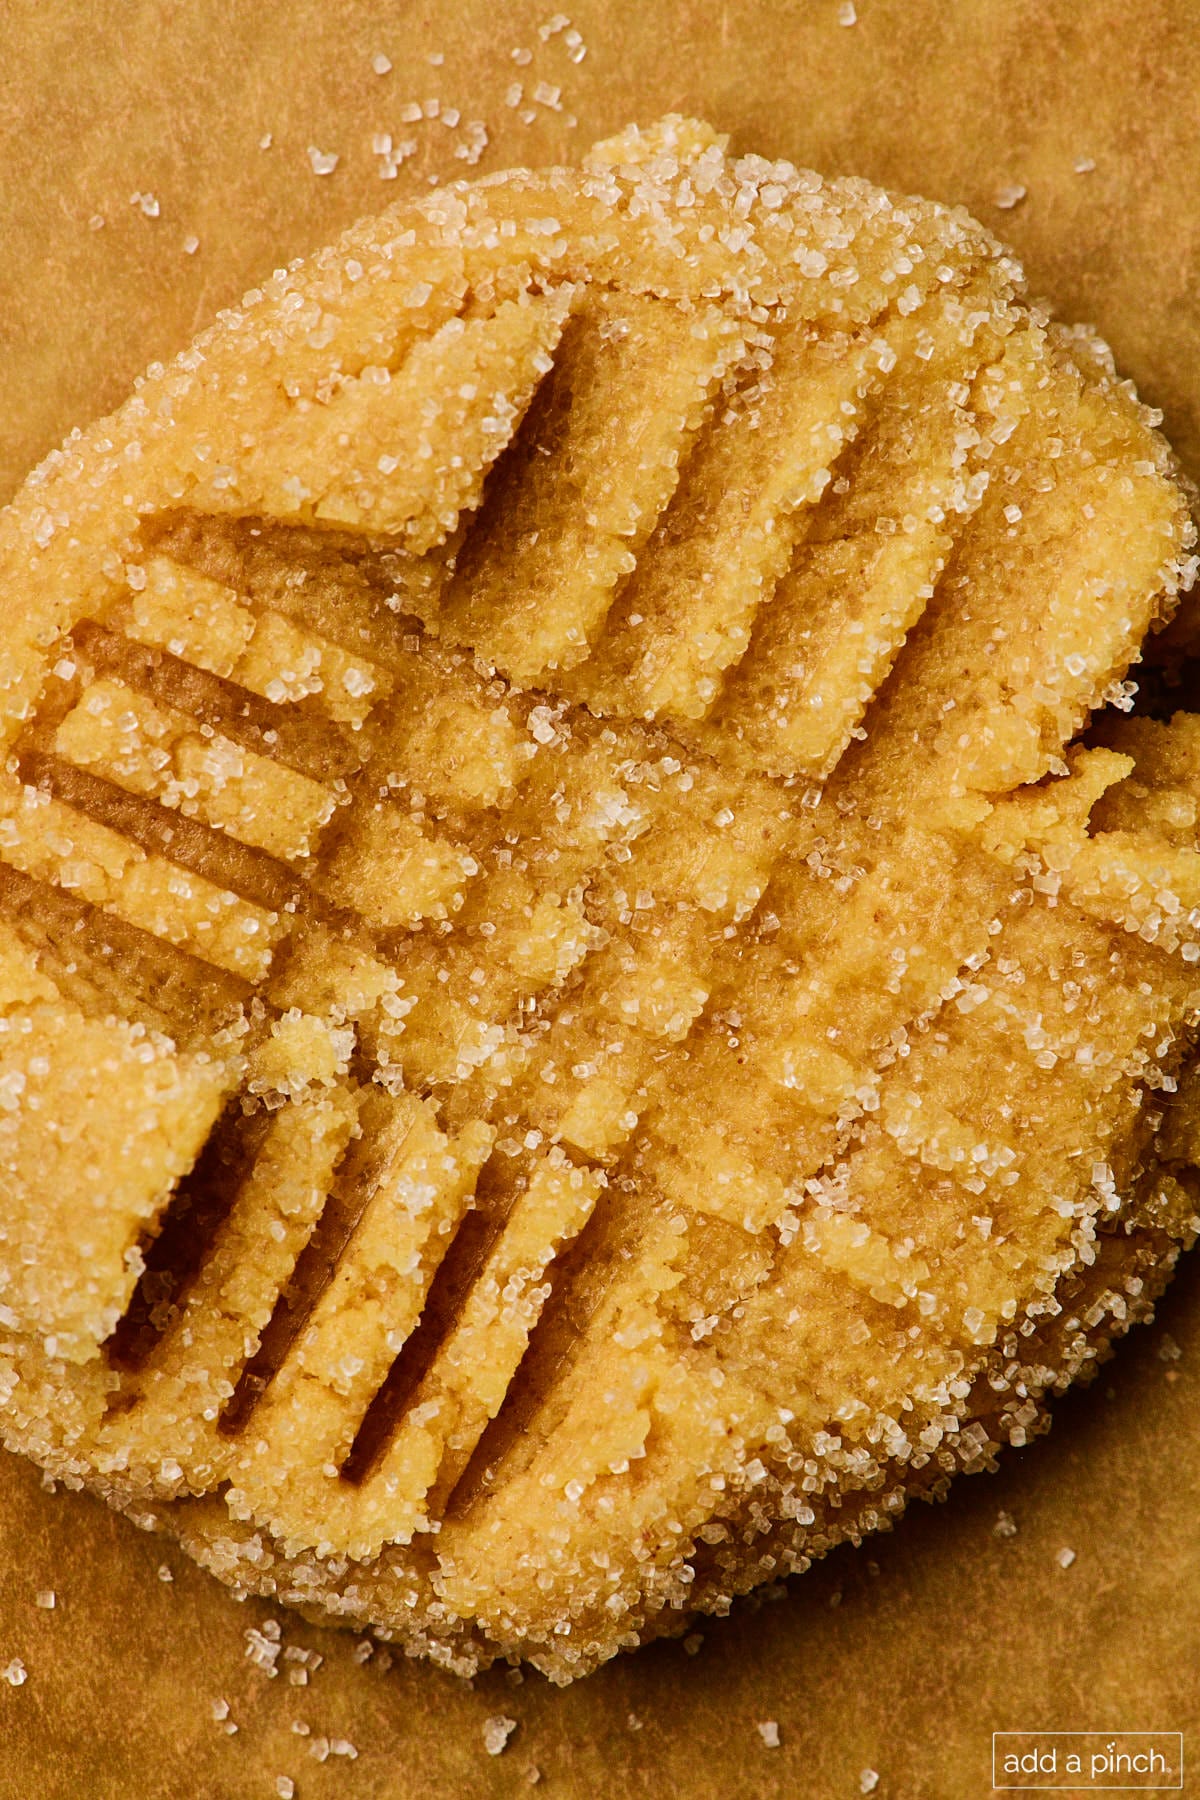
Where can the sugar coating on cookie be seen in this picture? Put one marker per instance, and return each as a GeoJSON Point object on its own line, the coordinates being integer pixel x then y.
{"type": "Point", "coordinates": [575, 1023]}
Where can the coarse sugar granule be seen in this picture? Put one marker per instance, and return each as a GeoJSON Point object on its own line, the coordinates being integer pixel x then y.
{"type": "Point", "coordinates": [496, 1732]}
{"type": "Point", "coordinates": [219, 1713]}
{"type": "Point", "coordinates": [263, 1647]}
{"type": "Point", "coordinates": [768, 1731]}
{"type": "Point", "coordinates": [15, 1672]}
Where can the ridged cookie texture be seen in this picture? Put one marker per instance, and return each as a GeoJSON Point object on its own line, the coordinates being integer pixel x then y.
{"type": "Point", "coordinates": [575, 1024]}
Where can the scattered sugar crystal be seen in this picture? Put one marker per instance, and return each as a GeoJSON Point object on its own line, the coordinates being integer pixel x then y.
{"type": "Point", "coordinates": [556, 24]}
{"type": "Point", "coordinates": [1008, 197]}
{"type": "Point", "coordinates": [410, 112]}
{"type": "Point", "coordinates": [285, 1787]}
{"type": "Point", "coordinates": [343, 1747]}
{"type": "Point", "coordinates": [496, 1732]}
{"type": "Point", "coordinates": [868, 1781]}
{"type": "Point", "coordinates": [391, 155]}
{"type": "Point", "coordinates": [46, 1599]}
{"type": "Point", "coordinates": [191, 244]}
{"type": "Point", "coordinates": [1065, 1558]}
{"type": "Point", "coordinates": [436, 58]}
{"type": "Point", "coordinates": [323, 162]}
{"type": "Point", "coordinates": [265, 141]}
{"type": "Point", "coordinates": [514, 94]}
{"type": "Point", "coordinates": [381, 64]}
{"type": "Point", "coordinates": [475, 142]}
{"type": "Point", "coordinates": [533, 1774]}
{"type": "Point", "coordinates": [96, 222]}
{"type": "Point", "coordinates": [768, 1731]}
{"type": "Point", "coordinates": [1084, 165]}
{"type": "Point", "coordinates": [262, 1647]}
{"type": "Point", "coordinates": [1168, 1349]}
{"type": "Point", "coordinates": [1005, 1526]}
{"type": "Point", "coordinates": [847, 14]}
{"type": "Point", "coordinates": [522, 58]}
{"type": "Point", "coordinates": [16, 1673]}
{"type": "Point", "coordinates": [146, 203]}
{"type": "Point", "coordinates": [692, 1643]}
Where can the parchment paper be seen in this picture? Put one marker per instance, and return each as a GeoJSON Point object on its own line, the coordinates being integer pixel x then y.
{"type": "Point", "coordinates": [901, 1659]}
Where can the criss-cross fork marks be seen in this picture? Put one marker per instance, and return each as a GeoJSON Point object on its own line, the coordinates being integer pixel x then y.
{"type": "Point", "coordinates": [209, 776]}
{"type": "Point", "coordinates": [543, 919]}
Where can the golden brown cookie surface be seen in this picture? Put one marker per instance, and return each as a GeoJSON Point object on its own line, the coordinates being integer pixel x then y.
{"type": "Point", "coordinates": [544, 1049]}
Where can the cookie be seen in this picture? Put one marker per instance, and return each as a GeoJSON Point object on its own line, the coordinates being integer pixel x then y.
{"type": "Point", "coordinates": [576, 1023]}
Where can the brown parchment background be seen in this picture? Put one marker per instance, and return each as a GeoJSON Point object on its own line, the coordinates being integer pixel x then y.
{"type": "Point", "coordinates": [903, 1658]}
